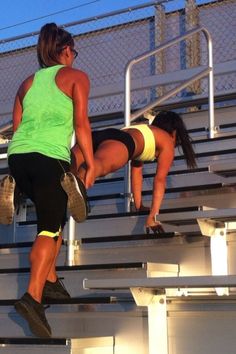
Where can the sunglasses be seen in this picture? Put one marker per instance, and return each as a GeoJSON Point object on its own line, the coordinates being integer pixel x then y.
{"type": "Point", "coordinates": [75, 53]}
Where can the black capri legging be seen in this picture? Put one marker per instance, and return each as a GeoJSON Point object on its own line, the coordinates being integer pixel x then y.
{"type": "Point", "coordinates": [38, 176]}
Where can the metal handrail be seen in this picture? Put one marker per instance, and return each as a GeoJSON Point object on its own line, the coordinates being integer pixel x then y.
{"type": "Point", "coordinates": [70, 249]}
{"type": "Point", "coordinates": [131, 116]}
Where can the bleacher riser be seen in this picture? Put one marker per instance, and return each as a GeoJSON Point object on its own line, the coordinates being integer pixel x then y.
{"type": "Point", "coordinates": [13, 285]}
{"type": "Point", "coordinates": [19, 257]}
{"type": "Point", "coordinates": [188, 198]}
{"type": "Point", "coordinates": [173, 181]}
{"type": "Point", "coordinates": [199, 119]}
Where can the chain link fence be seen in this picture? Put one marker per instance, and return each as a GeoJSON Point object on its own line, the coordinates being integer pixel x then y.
{"type": "Point", "coordinates": [107, 43]}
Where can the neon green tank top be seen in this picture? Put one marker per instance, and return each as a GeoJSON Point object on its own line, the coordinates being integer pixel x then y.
{"type": "Point", "coordinates": [47, 119]}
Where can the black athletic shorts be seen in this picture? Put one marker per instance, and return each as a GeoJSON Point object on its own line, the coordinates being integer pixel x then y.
{"type": "Point", "coordinates": [38, 176]}
{"type": "Point", "coordinates": [99, 136]}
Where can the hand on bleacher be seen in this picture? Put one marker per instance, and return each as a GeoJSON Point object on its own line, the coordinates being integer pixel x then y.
{"type": "Point", "coordinates": [154, 226]}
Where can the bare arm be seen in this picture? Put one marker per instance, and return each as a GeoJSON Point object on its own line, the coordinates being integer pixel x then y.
{"type": "Point", "coordinates": [18, 104]}
{"type": "Point", "coordinates": [165, 160]}
{"type": "Point", "coordinates": [17, 113]}
{"type": "Point", "coordinates": [136, 183]}
{"type": "Point", "coordinates": [81, 124]}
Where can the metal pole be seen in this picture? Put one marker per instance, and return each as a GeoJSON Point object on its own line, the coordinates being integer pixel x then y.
{"type": "Point", "coordinates": [70, 256]}
{"type": "Point", "coordinates": [210, 86]}
{"type": "Point", "coordinates": [127, 171]}
{"type": "Point", "coordinates": [127, 94]}
{"type": "Point", "coordinates": [70, 251]}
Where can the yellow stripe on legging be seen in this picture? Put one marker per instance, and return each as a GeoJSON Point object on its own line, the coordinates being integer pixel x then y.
{"type": "Point", "coordinates": [49, 233]}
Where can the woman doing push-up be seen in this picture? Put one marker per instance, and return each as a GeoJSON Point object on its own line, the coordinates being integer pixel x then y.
{"type": "Point", "coordinates": [113, 148]}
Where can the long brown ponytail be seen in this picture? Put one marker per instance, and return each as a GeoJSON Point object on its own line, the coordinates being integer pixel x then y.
{"type": "Point", "coordinates": [52, 40]}
{"type": "Point", "coordinates": [171, 121]}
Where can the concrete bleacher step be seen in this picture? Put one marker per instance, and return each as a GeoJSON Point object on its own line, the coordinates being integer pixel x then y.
{"type": "Point", "coordinates": [125, 238]}
{"type": "Point", "coordinates": [221, 215]}
{"type": "Point", "coordinates": [127, 225]}
{"type": "Point", "coordinates": [83, 321]}
{"type": "Point", "coordinates": [14, 280]}
{"type": "Point", "coordinates": [82, 316]}
{"type": "Point", "coordinates": [207, 281]}
{"type": "Point", "coordinates": [177, 221]}
{"type": "Point", "coordinates": [198, 190]}
{"type": "Point", "coordinates": [16, 254]}
{"type": "Point", "coordinates": [224, 168]}
{"type": "Point", "coordinates": [97, 345]}
{"type": "Point", "coordinates": [199, 119]}
{"type": "Point", "coordinates": [82, 300]}
{"type": "Point", "coordinates": [23, 232]}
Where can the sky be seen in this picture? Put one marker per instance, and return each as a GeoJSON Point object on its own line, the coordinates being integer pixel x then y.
{"type": "Point", "coordinates": [14, 12]}
{"type": "Point", "coordinates": [19, 17]}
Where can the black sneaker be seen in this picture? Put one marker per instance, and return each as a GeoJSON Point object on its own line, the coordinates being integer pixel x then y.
{"type": "Point", "coordinates": [77, 197]}
{"type": "Point", "coordinates": [7, 187]}
{"type": "Point", "coordinates": [33, 312]}
{"type": "Point", "coordinates": [54, 291]}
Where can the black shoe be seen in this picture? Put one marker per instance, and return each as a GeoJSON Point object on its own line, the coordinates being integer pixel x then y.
{"type": "Point", "coordinates": [77, 196]}
{"type": "Point", "coordinates": [54, 291]}
{"type": "Point", "coordinates": [33, 312]}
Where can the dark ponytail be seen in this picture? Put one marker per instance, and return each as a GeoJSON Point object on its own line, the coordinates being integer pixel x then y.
{"type": "Point", "coordinates": [170, 122]}
{"type": "Point", "coordinates": [51, 42]}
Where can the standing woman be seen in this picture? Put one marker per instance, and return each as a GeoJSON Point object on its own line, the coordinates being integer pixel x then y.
{"type": "Point", "coordinates": [139, 143]}
{"type": "Point", "coordinates": [49, 106]}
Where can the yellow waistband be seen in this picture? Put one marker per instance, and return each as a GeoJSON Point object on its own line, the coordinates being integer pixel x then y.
{"type": "Point", "coordinates": [49, 233]}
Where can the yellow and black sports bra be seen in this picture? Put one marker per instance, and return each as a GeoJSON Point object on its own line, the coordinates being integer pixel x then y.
{"type": "Point", "coordinates": [149, 150]}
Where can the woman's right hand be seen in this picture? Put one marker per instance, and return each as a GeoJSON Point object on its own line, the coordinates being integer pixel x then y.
{"type": "Point", "coordinates": [152, 225]}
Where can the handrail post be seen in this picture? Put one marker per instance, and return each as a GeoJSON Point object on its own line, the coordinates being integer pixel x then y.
{"type": "Point", "coordinates": [70, 254]}
{"type": "Point", "coordinates": [127, 94]}
{"type": "Point", "coordinates": [70, 250]}
{"type": "Point", "coordinates": [127, 169]}
{"type": "Point", "coordinates": [210, 86]}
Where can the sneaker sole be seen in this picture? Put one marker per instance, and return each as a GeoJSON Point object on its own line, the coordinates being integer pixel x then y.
{"type": "Point", "coordinates": [76, 201]}
{"type": "Point", "coordinates": [33, 321]}
{"type": "Point", "coordinates": [7, 187]}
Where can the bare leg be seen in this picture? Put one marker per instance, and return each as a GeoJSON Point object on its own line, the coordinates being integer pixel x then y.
{"type": "Point", "coordinates": [52, 275]}
{"type": "Point", "coordinates": [42, 257]}
{"type": "Point", "coordinates": [110, 156]}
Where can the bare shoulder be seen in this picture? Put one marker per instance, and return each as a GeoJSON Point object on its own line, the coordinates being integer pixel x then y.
{"type": "Point", "coordinates": [161, 135]}
{"type": "Point", "coordinates": [25, 86]}
{"type": "Point", "coordinates": [76, 74]}
{"type": "Point", "coordinates": [164, 143]}
{"type": "Point", "coordinates": [27, 81]}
